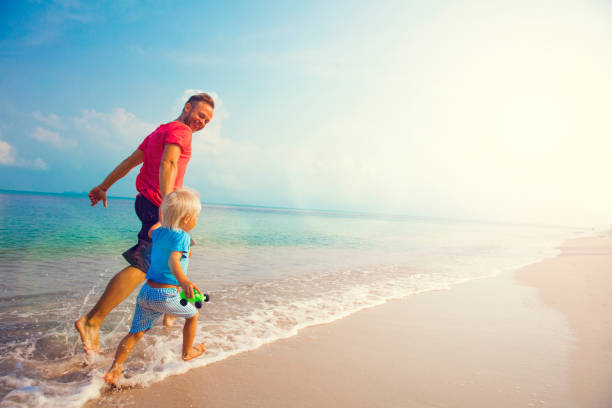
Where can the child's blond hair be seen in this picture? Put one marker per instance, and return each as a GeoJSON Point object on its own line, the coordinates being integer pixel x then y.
{"type": "Point", "coordinates": [177, 204]}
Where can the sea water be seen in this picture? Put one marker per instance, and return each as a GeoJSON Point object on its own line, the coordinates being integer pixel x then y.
{"type": "Point", "coordinates": [269, 272]}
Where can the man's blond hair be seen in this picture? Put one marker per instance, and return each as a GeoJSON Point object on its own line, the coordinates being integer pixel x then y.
{"type": "Point", "coordinates": [177, 204]}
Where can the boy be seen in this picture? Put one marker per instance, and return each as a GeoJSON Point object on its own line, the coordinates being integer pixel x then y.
{"type": "Point", "coordinates": [179, 213]}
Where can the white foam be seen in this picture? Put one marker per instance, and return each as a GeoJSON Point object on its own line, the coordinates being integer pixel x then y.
{"type": "Point", "coordinates": [244, 316]}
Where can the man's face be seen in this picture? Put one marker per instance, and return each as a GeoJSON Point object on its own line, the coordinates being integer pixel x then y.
{"type": "Point", "coordinates": [198, 115]}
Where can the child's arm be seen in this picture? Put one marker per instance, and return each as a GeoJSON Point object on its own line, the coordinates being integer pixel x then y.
{"type": "Point", "coordinates": [175, 266]}
{"type": "Point", "coordinates": [153, 228]}
{"type": "Point", "coordinates": [156, 225]}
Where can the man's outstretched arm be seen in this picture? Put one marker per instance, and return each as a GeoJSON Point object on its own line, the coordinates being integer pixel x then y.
{"type": "Point", "coordinates": [98, 193]}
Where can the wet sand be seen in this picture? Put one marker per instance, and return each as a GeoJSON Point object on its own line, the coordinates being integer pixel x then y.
{"type": "Point", "coordinates": [539, 337]}
{"type": "Point", "coordinates": [578, 283]}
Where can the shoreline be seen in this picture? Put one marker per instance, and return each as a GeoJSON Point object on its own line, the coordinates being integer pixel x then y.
{"type": "Point", "coordinates": [497, 342]}
{"type": "Point", "coordinates": [578, 284]}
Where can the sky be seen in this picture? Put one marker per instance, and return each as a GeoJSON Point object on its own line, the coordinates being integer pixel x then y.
{"type": "Point", "coordinates": [483, 109]}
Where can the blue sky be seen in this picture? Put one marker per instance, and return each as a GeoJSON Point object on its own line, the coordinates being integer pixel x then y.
{"type": "Point", "coordinates": [469, 109]}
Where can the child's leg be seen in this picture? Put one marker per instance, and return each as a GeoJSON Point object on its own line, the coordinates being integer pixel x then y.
{"type": "Point", "coordinates": [169, 303]}
{"type": "Point", "coordinates": [189, 331]}
{"type": "Point", "coordinates": [123, 350]}
{"type": "Point", "coordinates": [168, 318]}
{"type": "Point", "coordinates": [143, 320]}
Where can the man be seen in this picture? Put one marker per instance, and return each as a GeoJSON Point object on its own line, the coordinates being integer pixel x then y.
{"type": "Point", "coordinates": [164, 155]}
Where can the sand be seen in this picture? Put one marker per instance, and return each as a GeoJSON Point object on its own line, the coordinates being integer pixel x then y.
{"type": "Point", "coordinates": [578, 283]}
{"type": "Point", "coordinates": [538, 337]}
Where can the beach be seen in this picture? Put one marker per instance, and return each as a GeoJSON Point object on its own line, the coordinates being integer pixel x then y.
{"type": "Point", "coordinates": [537, 337]}
{"type": "Point", "coordinates": [402, 204]}
{"type": "Point", "coordinates": [307, 307]}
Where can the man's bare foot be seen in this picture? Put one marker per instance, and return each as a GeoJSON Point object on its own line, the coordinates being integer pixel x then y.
{"type": "Point", "coordinates": [195, 351]}
{"type": "Point", "coordinates": [89, 336]}
{"type": "Point", "coordinates": [113, 375]}
{"type": "Point", "coordinates": [169, 320]}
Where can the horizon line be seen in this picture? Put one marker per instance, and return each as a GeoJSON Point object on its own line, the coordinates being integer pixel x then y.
{"type": "Point", "coordinates": [85, 194]}
{"type": "Point", "coordinates": [333, 211]}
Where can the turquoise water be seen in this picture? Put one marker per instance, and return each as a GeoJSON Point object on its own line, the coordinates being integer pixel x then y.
{"type": "Point", "coordinates": [51, 226]}
{"type": "Point", "coordinates": [270, 272]}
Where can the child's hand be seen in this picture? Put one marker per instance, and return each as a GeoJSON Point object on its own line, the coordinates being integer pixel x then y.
{"type": "Point", "coordinates": [188, 287]}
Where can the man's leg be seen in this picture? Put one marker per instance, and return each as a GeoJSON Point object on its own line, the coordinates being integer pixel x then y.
{"type": "Point", "coordinates": [119, 288]}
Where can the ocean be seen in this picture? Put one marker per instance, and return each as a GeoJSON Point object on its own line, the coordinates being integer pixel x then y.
{"type": "Point", "coordinates": [270, 272]}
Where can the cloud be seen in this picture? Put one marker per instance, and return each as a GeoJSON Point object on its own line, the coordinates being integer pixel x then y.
{"type": "Point", "coordinates": [51, 120]}
{"type": "Point", "coordinates": [37, 163]}
{"type": "Point", "coordinates": [7, 153]}
{"type": "Point", "coordinates": [8, 157]}
{"type": "Point", "coordinates": [88, 134]}
{"type": "Point", "coordinates": [241, 171]}
{"type": "Point", "coordinates": [106, 128]}
{"type": "Point", "coordinates": [54, 138]}
{"type": "Point", "coordinates": [112, 130]}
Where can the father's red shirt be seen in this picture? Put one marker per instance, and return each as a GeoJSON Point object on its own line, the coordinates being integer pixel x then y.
{"type": "Point", "coordinates": [147, 182]}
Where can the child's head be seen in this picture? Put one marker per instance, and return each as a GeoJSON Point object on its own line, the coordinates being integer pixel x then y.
{"type": "Point", "coordinates": [180, 209]}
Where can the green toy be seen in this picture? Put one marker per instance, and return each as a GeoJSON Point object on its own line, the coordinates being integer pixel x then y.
{"type": "Point", "coordinates": [197, 298]}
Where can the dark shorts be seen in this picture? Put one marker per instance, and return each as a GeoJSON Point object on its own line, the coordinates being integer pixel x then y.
{"type": "Point", "coordinates": [139, 256]}
{"type": "Point", "coordinates": [148, 213]}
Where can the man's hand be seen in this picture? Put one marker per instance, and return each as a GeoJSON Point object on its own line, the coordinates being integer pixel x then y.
{"type": "Point", "coordinates": [96, 195]}
{"type": "Point", "coordinates": [188, 287]}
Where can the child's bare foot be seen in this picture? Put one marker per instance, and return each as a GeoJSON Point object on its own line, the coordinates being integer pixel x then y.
{"type": "Point", "coordinates": [89, 336]}
{"type": "Point", "coordinates": [113, 375]}
{"type": "Point", "coordinates": [169, 320]}
{"type": "Point", "coordinates": [195, 351]}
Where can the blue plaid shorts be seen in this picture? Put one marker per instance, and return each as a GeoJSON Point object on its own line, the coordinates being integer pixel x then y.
{"type": "Point", "coordinates": [153, 303]}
